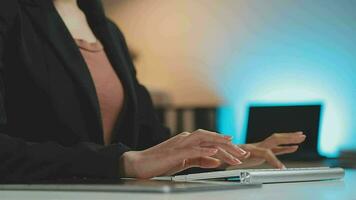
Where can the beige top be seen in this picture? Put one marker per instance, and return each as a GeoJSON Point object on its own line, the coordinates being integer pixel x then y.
{"type": "Point", "coordinates": [107, 84]}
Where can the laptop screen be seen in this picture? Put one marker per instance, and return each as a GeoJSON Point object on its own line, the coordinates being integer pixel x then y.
{"type": "Point", "coordinates": [265, 120]}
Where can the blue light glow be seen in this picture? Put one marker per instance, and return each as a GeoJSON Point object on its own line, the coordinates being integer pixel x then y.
{"type": "Point", "coordinates": [304, 54]}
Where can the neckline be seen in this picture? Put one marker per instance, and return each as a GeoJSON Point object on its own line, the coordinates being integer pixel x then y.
{"type": "Point", "coordinates": [89, 46]}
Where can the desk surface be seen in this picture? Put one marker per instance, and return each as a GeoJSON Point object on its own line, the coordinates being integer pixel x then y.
{"type": "Point", "coordinates": [323, 190]}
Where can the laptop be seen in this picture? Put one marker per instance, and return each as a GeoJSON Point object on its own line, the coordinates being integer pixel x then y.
{"type": "Point", "coordinates": [265, 120]}
{"type": "Point", "coordinates": [127, 185]}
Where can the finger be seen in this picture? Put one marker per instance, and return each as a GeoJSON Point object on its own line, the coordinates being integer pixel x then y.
{"type": "Point", "coordinates": [173, 140]}
{"type": "Point", "coordinates": [232, 149]}
{"type": "Point", "coordinates": [203, 162]}
{"type": "Point", "coordinates": [285, 150]}
{"type": "Point", "coordinates": [248, 154]}
{"type": "Point", "coordinates": [201, 136]}
{"type": "Point", "coordinates": [174, 160]}
{"type": "Point", "coordinates": [268, 155]}
{"type": "Point", "coordinates": [247, 148]}
{"type": "Point", "coordinates": [226, 157]}
{"type": "Point", "coordinates": [192, 152]}
{"type": "Point", "coordinates": [185, 134]}
{"type": "Point", "coordinates": [297, 132]}
{"type": "Point", "coordinates": [283, 139]}
{"type": "Point", "coordinates": [226, 165]}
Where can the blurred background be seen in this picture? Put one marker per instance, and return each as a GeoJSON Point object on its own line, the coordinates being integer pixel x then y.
{"type": "Point", "coordinates": [224, 56]}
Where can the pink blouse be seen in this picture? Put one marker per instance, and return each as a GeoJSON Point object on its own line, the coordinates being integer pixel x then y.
{"type": "Point", "coordinates": [107, 84]}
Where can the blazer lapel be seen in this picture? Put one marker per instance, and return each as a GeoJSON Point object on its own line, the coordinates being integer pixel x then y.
{"type": "Point", "coordinates": [121, 63]}
{"type": "Point", "coordinates": [52, 27]}
{"type": "Point", "coordinates": [121, 66]}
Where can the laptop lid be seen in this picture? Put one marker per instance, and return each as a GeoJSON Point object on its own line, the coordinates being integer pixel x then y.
{"type": "Point", "coordinates": [265, 120]}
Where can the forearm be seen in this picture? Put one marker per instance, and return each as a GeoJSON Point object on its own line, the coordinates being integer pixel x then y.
{"type": "Point", "coordinates": [22, 161]}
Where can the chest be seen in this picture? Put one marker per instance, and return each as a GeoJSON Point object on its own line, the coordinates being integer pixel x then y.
{"type": "Point", "coordinates": [45, 60]}
{"type": "Point", "coordinates": [40, 90]}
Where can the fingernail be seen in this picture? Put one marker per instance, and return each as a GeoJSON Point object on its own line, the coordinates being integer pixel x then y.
{"type": "Point", "coordinates": [228, 137]}
{"type": "Point", "coordinates": [243, 152]}
{"type": "Point", "coordinates": [283, 166]}
{"type": "Point", "coordinates": [299, 132]}
{"type": "Point", "coordinates": [237, 161]}
{"type": "Point", "coordinates": [213, 150]}
{"type": "Point", "coordinates": [248, 154]}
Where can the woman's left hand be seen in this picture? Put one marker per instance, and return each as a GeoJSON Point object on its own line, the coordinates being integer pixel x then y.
{"type": "Point", "coordinates": [268, 149]}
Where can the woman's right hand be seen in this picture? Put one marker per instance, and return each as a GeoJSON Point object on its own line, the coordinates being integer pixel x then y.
{"type": "Point", "coordinates": [186, 150]}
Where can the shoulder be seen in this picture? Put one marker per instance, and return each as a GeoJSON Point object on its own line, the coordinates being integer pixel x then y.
{"type": "Point", "coordinates": [121, 41]}
{"type": "Point", "coordinates": [117, 33]}
{"type": "Point", "coordinates": [114, 28]}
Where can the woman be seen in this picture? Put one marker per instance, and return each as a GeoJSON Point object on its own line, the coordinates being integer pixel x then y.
{"type": "Point", "coordinates": [71, 105]}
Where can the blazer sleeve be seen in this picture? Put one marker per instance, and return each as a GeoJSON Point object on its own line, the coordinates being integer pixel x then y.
{"type": "Point", "coordinates": [22, 161]}
{"type": "Point", "coordinates": [152, 131]}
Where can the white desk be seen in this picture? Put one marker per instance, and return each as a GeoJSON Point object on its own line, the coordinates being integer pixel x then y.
{"type": "Point", "coordinates": [325, 190]}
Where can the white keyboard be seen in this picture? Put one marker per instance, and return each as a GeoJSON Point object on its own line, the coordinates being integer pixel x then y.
{"type": "Point", "coordinates": [256, 176]}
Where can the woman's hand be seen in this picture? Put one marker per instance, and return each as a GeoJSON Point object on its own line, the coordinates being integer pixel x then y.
{"type": "Point", "coordinates": [268, 149]}
{"type": "Point", "coordinates": [186, 150]}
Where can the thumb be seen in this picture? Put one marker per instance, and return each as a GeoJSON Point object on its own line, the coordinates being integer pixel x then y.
{"type": "Point", "coordinates": [203, 162]}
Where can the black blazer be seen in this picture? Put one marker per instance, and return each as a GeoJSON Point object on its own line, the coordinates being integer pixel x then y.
{"type": "Point", "coordinates": [49, 114]}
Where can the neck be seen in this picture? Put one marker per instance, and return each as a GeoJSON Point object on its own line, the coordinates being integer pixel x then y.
{"type": "Point", "coordinates": [67, 9]}
{"type": "Point", "coordinates": [65, 2]}
{"type": "Point", "coordinates": [65, 6]}
{"type": "Point", "coordinates": [74, 19]}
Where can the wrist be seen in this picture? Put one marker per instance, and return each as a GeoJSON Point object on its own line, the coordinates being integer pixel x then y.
{"type": "Point", "coordinates": [128, 164]}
